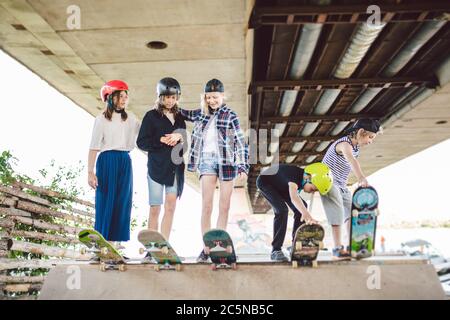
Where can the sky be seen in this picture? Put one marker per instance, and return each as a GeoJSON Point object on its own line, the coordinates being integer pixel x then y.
{"type": "Point", "coordinates": [40, 124]}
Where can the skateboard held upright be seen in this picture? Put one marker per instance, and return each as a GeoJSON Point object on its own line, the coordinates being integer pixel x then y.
{"type": "Point", "coordinates": [306, 245]}
{"type": "Point", "coordinates": [160, 249]}
{"type": "Point", "coordinates": [219, 247]}
{"type": "Point", "coordinates": [110, 258]}
{"type": "Point", "coordinates": [364, 222]}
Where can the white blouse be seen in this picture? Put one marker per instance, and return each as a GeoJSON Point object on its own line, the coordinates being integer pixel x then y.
{"type": "Point", "coordinates": [115, 134]}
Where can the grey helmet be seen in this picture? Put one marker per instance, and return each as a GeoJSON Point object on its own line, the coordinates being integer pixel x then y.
{"type": "Point", "coordinates": [168, 87]}
{"type": "Point", "coordinates": [214, 85]}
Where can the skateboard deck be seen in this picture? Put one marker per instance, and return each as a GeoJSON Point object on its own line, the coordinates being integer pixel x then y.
{"type": "Point", "coordinates": [306, 245]}
{"type": "Point", "coordinates": [160, 249]}
{"type": "Point", "coordinates": [110, 258]}
{"type": "Point", "coordinates": [364, 222]}
{"type": "Point", "coordinates": [219, 247]}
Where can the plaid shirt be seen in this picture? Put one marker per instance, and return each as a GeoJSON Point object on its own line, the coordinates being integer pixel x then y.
{"type": "Point", "coordinates": [233, 149]}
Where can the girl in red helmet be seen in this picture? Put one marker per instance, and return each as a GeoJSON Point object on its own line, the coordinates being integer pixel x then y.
{"type": "Point", "coordinates": [114, 136]}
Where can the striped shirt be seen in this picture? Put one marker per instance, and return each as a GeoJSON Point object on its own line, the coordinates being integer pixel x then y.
{"type": "Point", "coordinates": [339, 166]}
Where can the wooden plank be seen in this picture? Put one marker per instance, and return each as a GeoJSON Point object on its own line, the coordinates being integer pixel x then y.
{"type": "Point", "coordinates": [14, 212]}
{"type": "Point", "coordinates": [47, 226]}
{"type": "Point", "coordinates": [51, 193]}
{"type": "Point", "coordinates": [31, 207]}
{"type": "Point", "coordinates": [43, 236]}
{"type": "Point", "coordinates": [23, 195]}
{"type": "Point", "coordinates": [7, 201]}
{"type": "Point", "coordinates": [25, 287]}
{"type": "Point", "coordinates": [46, 250]}
{"type": "Point", "coordinates": [15, 280]}
{"type": "Point", "coordinates": [10, 264]}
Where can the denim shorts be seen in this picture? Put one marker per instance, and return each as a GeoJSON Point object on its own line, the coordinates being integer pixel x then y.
{"type": "Point", "coordinates": [209, 164]}
{"type": "Point", "coordinates": [156, 191]}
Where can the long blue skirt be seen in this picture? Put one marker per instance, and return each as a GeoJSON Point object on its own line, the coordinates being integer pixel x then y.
{"type": "Point", "coordinates": [113, 196]}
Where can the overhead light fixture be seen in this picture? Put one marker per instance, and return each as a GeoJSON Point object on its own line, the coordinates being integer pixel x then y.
{"type": "Point", "coordinates": [157, 45]}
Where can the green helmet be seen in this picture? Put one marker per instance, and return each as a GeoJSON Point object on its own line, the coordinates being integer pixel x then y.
{"type": "Point", "coordinates": [320, 176]}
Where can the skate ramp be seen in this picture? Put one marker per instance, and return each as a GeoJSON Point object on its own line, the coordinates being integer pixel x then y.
{"type": "Point", "coordinates": [380, 278]}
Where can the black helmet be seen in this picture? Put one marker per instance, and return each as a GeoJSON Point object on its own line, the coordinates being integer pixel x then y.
{"type": "Point", "coordinates": [371, 125]}
{"type": "Point", "coordinates": [214, 85]}
{"type": "Point", "coordinates": [168, 87]}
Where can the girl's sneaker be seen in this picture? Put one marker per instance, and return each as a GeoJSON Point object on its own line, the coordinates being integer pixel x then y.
{"type": "Point", "coordinates": [203, 257]}
{"type": "Point", "coordinates": [340, 252]}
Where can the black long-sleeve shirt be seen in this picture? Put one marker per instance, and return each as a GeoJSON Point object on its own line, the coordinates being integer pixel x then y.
{"type": "Point", "coordinates": [161, 167]}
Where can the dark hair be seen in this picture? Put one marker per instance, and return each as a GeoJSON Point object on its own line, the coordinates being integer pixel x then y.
{"type": "Point", "coordinates": [110, 106]}
{"type": "Point", "coordinates": [159, 106]}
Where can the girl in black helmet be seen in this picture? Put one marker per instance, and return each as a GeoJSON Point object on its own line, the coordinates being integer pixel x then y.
{"type": "Point", "coordinates": [161, 135]}
{"type": "Point", "coordinates": [218, 152]}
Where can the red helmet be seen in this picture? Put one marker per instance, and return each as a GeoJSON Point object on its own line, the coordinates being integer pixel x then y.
{"type": "Point", "coordinates": [111, 86]}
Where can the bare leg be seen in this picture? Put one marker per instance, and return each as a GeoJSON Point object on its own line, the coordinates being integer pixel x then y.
{"type": "Point", "coordinates": [336, 230]}
{"type": "Point", "coordinates": [169, 210]}
{"type": "Point", "coordinates": [208, 188]}
{"type": "Point", "coordinates": [153, 219]}
{"type": "Point", "coordinates": [226, 189]}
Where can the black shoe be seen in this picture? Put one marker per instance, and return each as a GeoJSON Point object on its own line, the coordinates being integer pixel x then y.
{"type": "Point", "coordinates": [203, 257]}
{"type": "Point", "coordinates": [278, 255]}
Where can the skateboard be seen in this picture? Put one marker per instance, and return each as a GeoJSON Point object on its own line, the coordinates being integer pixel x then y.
{"type": "Point", "coordinates": [219, 247]}
{"type": "Point", "coordinates": [159, 248]}
{"type": "Point", "coordinates": [110, 258]}
{"type": "Point", "coordinates": [364, 222]}
{"type": "Point", "coordinates": [306, 245]}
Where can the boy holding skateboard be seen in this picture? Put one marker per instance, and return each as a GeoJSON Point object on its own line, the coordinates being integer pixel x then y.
{"type": "Point", "coordinates": [280, 185]}
{"type": "Point", "coordinates": [341, 158]}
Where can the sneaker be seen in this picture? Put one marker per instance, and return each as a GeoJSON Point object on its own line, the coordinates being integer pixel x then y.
{"type": "Point", "coordinates": [340, 252]}
{"type": "Point", "coordinates": [148, 259]}
{"type": "Point", "coordinates": [278, 255]}
{"type": "Point", "coordinates": [203, 257]}
{"type": "Point", "coordinates": [94, 259]}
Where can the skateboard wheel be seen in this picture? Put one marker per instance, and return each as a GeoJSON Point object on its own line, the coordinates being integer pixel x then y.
{"type": "Point", "coordinates": [83, 251]}
{"type": "Point", "coordinates": [354, 213]}
{"type": "Point", "coordinates": [354, 254]}
{"type": "Point", "coordinates": [102, 267]}
{"type": "Point", "coordinates": [298, 246]}
{"type": "Point", "coordinates": [156, 268]}
{"type": "Point", "coordinates": [315, 264]}
{"type": "Point", "coordinates": [295, 264]}
{"type": "Point", "coordinates": [165, 250]}
{"type": "Point", "coordinates": [122, 267]}
{"type": "Point", "coordinates": [141, 250]}
{"type": "Point", "coordinates": [229, 249]}
{"type": "Point", "coordinates": [234, 266]}
{"type": "Point", "coordinates": [178, 267]}
{"type": "Point", "coordinates": [213, 267]}
{"type": "Point", "coordinates": [104, 251]}
{"type": "Point", "coordinates": [377, 212]}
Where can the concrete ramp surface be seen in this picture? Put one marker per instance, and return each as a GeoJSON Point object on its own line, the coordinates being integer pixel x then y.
{"type": "Point", "coordinates": [380, 278]}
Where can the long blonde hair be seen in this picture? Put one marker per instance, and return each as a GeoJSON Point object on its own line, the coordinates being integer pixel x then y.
{"type": "Point", "coordinates": [204, 105]}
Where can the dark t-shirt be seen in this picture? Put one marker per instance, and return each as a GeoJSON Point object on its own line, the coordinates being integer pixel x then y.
{"type": "Point", "coordinates": [280, 180]}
